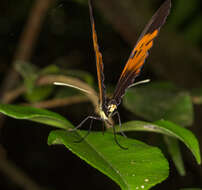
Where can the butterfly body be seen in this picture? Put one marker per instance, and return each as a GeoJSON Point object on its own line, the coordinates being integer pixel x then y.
{"type": "Point", "coordinates": [103, 115]}
{"type": "Point", "coordinates": [108, 106]}
{"type": "Point", "coordinates": [106, 110]}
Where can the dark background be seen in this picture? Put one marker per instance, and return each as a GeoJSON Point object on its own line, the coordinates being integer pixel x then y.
{"type": "Point", "coordinates": [64, 39]}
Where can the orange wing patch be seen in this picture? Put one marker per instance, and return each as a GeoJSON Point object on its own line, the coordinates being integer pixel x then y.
{"type": "Point", "coordinates": [134, 64]}
{"type": "Point", "coordinates": [140, 51]}
{"type": "Point", "coordinates": [139, 54]}
{"type": "Point", "coordinates": [99, 62]}
{"type": "Point", "coordinates": [98, 56]}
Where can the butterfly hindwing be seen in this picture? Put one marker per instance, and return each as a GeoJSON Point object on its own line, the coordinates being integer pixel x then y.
{"type": "Point", "coordinates": [140, 51]}
{"type": "Point", "coordinates": [98, 56]}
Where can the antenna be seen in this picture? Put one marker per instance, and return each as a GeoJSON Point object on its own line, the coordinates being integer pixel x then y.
{"type": "Point", "coordinates": [72, 86]}
{"type": "Point", "coordinates": [139, 82]}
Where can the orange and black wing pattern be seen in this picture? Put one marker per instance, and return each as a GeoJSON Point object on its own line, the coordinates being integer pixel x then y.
{"type": "Point", "coordinates": [140, 52]}
{"type": "Point", "coordinates": [98, 57]}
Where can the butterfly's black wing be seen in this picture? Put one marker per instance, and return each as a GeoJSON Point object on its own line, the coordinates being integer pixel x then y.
{"type": "Point", "coordinates": [99, 62]}
{"type": "Point", "coordinates": [140, 52]}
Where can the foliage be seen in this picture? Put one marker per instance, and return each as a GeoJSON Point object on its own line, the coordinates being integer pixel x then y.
{"type": "Point", "coordinates": [125, 167]}
{"type": "Point", "coordinates": [166, 108]}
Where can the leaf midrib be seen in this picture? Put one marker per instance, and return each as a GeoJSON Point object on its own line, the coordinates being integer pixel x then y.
{"type": "Point", "coordinates": [108, 163]}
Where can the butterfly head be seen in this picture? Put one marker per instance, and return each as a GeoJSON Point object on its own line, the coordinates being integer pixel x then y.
{"type": "Point", "coordinates": [107, 110]}
{"type": "Point", "coordinates": [111, 107]}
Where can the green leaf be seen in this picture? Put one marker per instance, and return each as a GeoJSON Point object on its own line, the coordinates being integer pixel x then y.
{"type": "Point", "coordinates": [182, 111]}
{"type": "Point", "coordinates": [140, 167]}
{"type": "Point", "coordinates": [160, 100]}
{"type": "Point", "coordinates": [193, 31]}
{"type": "Point", "coordinates": [35, 114]}
{"type": "Point", "coordinates": [39, 93]}
{"type": "Point", "coordinates": [50, 69]}
{"type": "Point", "coordinates": [174, 151]}
{"type": "Point", "coordinates": [176, 155]}
{"type": "Point", "coordinates": [64, 92]}
{"type": "Point", "coordinates": [166, 128]}
{"type": "Point", "coordinates": [181, 13]}
{"type": "Point", "coordinates": [29, 72]}
{"type": "Point", "coordinates": [83, 75]}
{"type": "Point", "coordinates": [185, 135]}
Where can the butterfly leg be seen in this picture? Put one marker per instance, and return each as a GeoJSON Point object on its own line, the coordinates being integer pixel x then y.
{"type": "Point", "coordinates": [82, 138]}
{"type": "Point", "coordinates": [89, 117]}
{"type": "Point", "coordinates": [121, 131]}
{"type": "Point", "coordinates": [91, 123]}
{"type": "Point", "coordinates": [125, 148]}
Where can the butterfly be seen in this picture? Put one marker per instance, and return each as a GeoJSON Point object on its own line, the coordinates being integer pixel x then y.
{"type": "Point", "coordinates": [108, 106]}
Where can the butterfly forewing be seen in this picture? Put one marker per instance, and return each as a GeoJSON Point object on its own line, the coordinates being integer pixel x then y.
{"type": "Point", "coordinates": [140, 51]}
{"type": "Point", "coordinates": [98, 56]}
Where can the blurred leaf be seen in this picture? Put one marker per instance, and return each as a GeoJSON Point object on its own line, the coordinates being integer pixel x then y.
{"type": "Point", "coordinates": [35, 114]}
{"type": "Point", "coordinates": [39, 93]}
{"type": "Point", "coordinates": [160, 100]}
{"type": "Point", "coordinates": [166, 128]}
{"type": "Point", "coordinates": [140, 167]}
{"type": "Point", "coordinates": [29, 72]}
{"type": "Point", "coordinates": [182, 111]}
{"type": "Point", "coordinates": [182, 11]}
{"type": "Point", "coordinates": [50, 69]}
{"type": "Point", "coordinates": [174, 151]}
{"type": "Point", "coordinates": [83, 75]}
{"type": "Point", "coordinates": [194, 30]}
{"type": "Point", "coordinates": [66, 92]}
